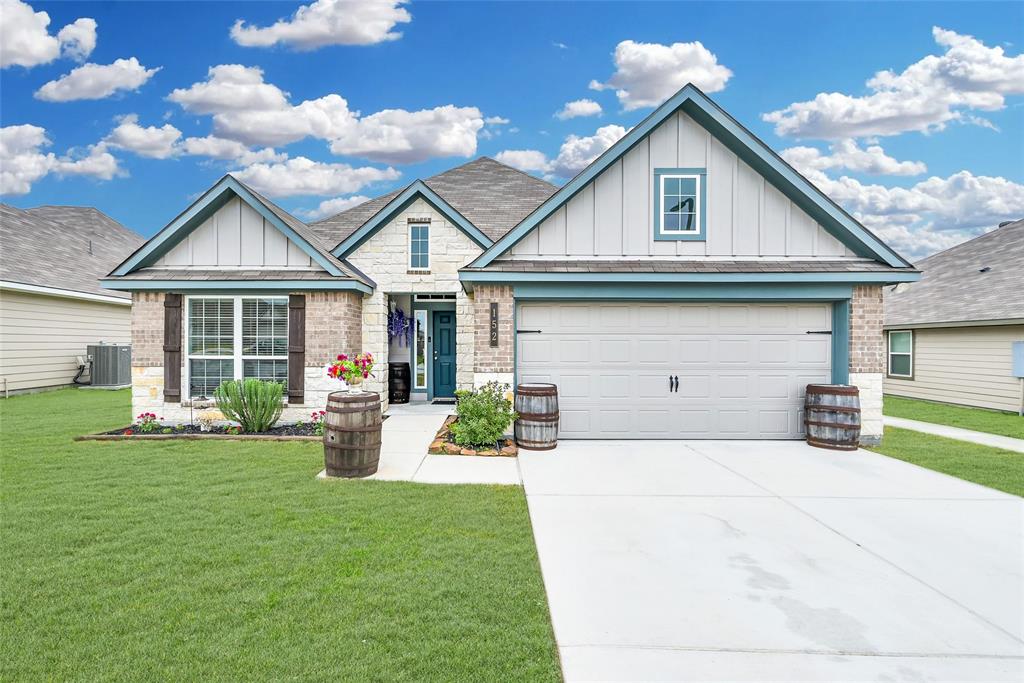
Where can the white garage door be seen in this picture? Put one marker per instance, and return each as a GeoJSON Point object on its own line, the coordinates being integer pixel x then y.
{"type": "Point", "coordinates": [741, 368]}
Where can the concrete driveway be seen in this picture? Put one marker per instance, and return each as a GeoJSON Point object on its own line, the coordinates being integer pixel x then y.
{"type": "Point", "coordinates": [752, 561]}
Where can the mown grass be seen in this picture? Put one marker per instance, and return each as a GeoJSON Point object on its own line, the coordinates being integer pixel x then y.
{"type": "Point", "coordinates": [229, 561]}
{"type": "Point", "coordinates": [978, 419]}
{"type": "Point", "coordinates": [992, 467]}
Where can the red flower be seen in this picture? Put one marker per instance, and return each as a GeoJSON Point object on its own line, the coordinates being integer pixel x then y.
{"type": "Point", "coordinates": [127, 432]}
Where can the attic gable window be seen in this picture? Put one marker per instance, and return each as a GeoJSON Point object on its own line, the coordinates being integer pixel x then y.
{"type": "Point", "coordinates": [419, 246]}
{"type": "Point", "coordinates": [679, 203]}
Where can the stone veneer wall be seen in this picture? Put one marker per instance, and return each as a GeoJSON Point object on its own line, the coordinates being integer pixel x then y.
{"type": "Point", "coordinates": [867, 358]}
{"type": "Point", "coordinates": [494, 363]}
{"type": "Point", "coordinates": [385, 258]}
{"type": "Point", "coordinates": [333, 326]}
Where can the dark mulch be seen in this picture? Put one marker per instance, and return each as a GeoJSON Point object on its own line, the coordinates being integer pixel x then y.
{"type": "Point", "coordinates": [280, 430]}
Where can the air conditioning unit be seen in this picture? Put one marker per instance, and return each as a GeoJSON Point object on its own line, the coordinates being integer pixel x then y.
{"type": "Point", "coordinates": [111, 364]}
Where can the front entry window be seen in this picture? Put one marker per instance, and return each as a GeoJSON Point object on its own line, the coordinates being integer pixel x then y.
{"type": "Point", "coordinates": [420, 372]}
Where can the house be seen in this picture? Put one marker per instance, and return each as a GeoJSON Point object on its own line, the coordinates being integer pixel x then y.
{"type": "Point", "coordinates": [949, 336]}
{"type": "Point", "coordinates": [687, 284]}
{"type": "Point", "coordinates": [51, 302]}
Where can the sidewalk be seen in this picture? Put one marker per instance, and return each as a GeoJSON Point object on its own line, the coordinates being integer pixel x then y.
{"type": "Point", "coordinates": [994, 440]}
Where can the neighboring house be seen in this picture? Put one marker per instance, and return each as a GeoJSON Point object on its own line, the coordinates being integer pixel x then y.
{"type": "Point", "coordinates": [51, 303]}
{"type": "Point", "coordinates": [687, 284]}
{"type": "Point", "coordinates": [949, 336]}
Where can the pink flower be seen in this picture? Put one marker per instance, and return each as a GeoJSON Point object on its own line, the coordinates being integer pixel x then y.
{"type": "Point", "coordinates": [365, 375]}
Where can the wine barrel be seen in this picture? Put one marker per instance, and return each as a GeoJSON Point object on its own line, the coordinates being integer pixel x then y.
{"type": "Point", "coordinates": [352, 434]}
{"type": "Point", "coordinates": [832, 416]}
{"type": "Point", "coordinates": [537, 426]}
{"type": "Point", "coordinates": [398, 382]}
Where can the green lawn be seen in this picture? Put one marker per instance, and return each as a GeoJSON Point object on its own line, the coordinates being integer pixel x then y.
{"type": "Point", "coordinates": [228, 561]}
{"type": "Point", "coordinates": [978, 419]}
{"type": "Point", "coordinates": [993, 467]}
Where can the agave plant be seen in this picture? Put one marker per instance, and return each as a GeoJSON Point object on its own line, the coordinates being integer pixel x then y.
{"type": "Point", "coordinates": [253, 403]}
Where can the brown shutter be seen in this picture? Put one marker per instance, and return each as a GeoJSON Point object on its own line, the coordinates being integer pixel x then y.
{"type": "Point", "coordinates": [172, 348]}
{"type": "Point", "coordinates": [296, 348]}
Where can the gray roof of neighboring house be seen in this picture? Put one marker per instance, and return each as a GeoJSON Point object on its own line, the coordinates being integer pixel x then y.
{"type": "Point", "coordinates": [490, 195]}
{"type": "Point", "coordinates": [67, 247]}
{"type": "Point", "coordinates": [682, 266]}
{"type": "Point", "coordinates": [954, 288]}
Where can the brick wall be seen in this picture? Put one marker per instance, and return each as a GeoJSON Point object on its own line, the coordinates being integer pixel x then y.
{"type": "Point", "coordinates": [334, 324]}
{"type": "Point", "coordinates": [867, 350]}
{"type": "Point", "coordinates": [147, 329]}
{"type": "Point", "coordinates": [489, 359]}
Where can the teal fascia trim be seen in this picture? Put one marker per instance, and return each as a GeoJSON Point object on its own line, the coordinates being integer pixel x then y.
{"type": "Point", "coordinates": [684, 292]}
{"type": "Point", "coordinates": [702, 235]}
{"type": "Point", "coordinates": [739, 140]}
{"type": "Point", "coordinates": [841, 341]}
{"type": "Point", "coordinates": [127, 285]}
{"type": "Point", "coordinates": [679, 278]}
{"type": "Point", "coordinates": [397, 205]}
{"type": "Point", "coordinates": [203, 208]}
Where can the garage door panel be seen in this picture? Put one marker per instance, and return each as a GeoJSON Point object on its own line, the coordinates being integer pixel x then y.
{"type": "Point", "coordinates": [742, 368]}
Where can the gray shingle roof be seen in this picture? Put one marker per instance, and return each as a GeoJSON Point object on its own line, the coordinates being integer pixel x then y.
{"type": "Point", "coordinates": [232, 274]}
{"type": "Point", "coordinates": [701, 266]}
{"type": "Point", "coordinates": [492, 196]}
{"type": "Point", "coordinates": [952, 287]}
{"type": "Point", "coordinates": [49, 246]}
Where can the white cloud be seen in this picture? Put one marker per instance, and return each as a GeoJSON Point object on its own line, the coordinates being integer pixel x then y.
{"type": "Point", "coordinates": [577, 108]}
{"type": "Point", "coordinates": [574, 155]}
{"type": "Point", "coordinates": [22, 161]}
{"type": "Point", "coordinates": [647, 74]}
{"type": "Point", "coordinates": [331, 207]}
{"type": "Point", "coordinates": [329, 22]}
{"type": "Point", "coordinates": [924, 97]}
{"type": "Point", "coordinates": [26, 41]}
{"type": "Point", "coordinates": [78, 39]}
{"type": "Point", "coordinates": [249, 110]}
{"type": "Point", "coordinates": [847, 154]}
{"type": "Point", "coordinates": [302, 176]}
{"type": "Point", "coordinates": [152, 142]}
{"type": "Point", "coordinates": [96, 81]}
{"type": "Point", "coordinates": [496, 121]}
{"type": "Point", "coordinates": [221, 148]}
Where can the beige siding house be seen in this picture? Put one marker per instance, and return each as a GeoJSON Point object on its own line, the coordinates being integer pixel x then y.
{"type": "Point", "coordinates": [949, 336]}
{"type": "Point", "coordinates": [686, 284]}
{"type": "Point", "coordinates": [51, 303]}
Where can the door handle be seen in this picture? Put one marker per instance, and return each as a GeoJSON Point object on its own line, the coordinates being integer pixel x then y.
{"type": "Point", "coordinates": [676, 381]}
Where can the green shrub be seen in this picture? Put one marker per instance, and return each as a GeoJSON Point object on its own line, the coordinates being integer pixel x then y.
{"type": "Point", "coordinates": [484, 415]}
{"type": "Point", "coordinates": [253, 403]}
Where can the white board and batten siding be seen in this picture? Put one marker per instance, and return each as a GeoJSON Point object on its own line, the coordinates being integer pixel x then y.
{"type": "Point", "coordinates": [612, 216]}
{"type": "Point", "coordinates": [42, 336]}
{"type": "Point", "coordinates": [970, 366]}
{"type": "Point", "coordinates": [236, 235]}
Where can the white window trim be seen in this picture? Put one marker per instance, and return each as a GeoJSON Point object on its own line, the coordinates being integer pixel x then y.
{"type": "Point", "coordinates": [891, 353]}
{"type": "Point", "coordinates": [415, 341]}
{"type": "Point", "coordinates": [425, 224]}
{"type": "Point", "coordinates": [236, 341]}
{"type": "Point", "coordinates": [699, 206]}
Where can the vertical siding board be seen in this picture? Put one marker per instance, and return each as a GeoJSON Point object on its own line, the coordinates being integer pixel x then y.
{"type": "Point", "coordinates": [828, 245]}
{"type": "Point", "coordinates": [664, 154]}
{"type": "Point", "coordinates": [773, 227]}
{"type": "Point", "coordinates": [579, 223]}
{"type": "Point", "coordinates": [720, 199]}
{"type": "Point", "coordinates": [608, 211]}
{"type": "Point", "coordinates": [296, 257]}
{"type": "Point", "coordinates": [204, 242]}
{"type": "Point", "coordinates": [529, 245]}
{"type": "Point", "coordinates": [801, 232]}
{"type": "Point", "coordinates": [229, 234]}
{"type": "Point", "coordinates": [275, 246]}
{"type": "Point", "coordinates": [636, 199]}
{"type": "Point", "coordinates": [251, 236]}
{"type": "Point", "coordinates": [746, 211]}
{"type": "Point", "coordinates": [692, 152]}
{"type": "Point", "coordinates": [552, 234]}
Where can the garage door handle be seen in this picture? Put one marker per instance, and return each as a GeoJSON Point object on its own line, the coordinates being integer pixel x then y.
{"type": "Point", "coordinates": [819, 331]}
{"type": "Point", "coordinates": [528, 331]}
{"type": "Point", "coordinates": [673, 383]}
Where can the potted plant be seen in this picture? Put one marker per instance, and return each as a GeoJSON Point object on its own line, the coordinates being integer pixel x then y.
{"type": "Point", "coordinates": [352, 369]}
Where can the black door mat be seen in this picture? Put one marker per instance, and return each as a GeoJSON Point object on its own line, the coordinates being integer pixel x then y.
{"type": "Point", "coordinates": [443, 401]}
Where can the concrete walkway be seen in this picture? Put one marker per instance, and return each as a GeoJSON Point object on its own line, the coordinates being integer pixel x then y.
{"type": "Point", "coordinates": [762, 560]}
{"type": "Point", "coordinates": [985, 439]}
{"type": "Point", "coordinates": [405, 437]}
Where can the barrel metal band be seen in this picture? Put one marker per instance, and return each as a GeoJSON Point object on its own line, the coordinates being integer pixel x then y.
{"type": "Point", "coordinates": [820, 423]}
{"type": "Point", "coordinates": [370, 428]}
{"type": "Point", "coordinates": [539, 417]}
{"type": "Point", "coordinates": [837, 409]}
{"type": "Point", "coordinates": [354, 447]}
{"type": "Point", "coordinates": [365, 409]}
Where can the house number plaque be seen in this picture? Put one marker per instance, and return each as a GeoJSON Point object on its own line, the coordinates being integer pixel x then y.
{"type": "Point", "coordinates": [494, 323]}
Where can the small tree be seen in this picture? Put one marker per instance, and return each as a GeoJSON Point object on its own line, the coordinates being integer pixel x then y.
{"type": "Point", "coordinates": [484, 415]}
{"type": "Point", "coordinates": [253, 403]}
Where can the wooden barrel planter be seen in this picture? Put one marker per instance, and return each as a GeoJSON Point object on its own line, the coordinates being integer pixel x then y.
{"type": "Point", "coordinates": [352, 434]}
{"type": "Point", "coordinates": [398, 382]}
{"type": "Point", "coordinates": [537, 426]}
{"type": "Point", "coordinates": [832, 416]}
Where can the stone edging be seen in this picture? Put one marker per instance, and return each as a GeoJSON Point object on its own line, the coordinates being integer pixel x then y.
{"type": "Point", "coordinates": [441, 446]}
{"type": "Point", "coordinates": [195, 437]}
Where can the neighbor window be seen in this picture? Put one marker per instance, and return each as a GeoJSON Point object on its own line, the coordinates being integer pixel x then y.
{"type": "Point", "coordinates": [236, 338]}
{"type": "Point", "coordinates": [419, 246]}
{"type": "Point", "coordinates": [420, 338]}
{"type": "Point", "coordinates": [901, 354]}
{"type": "Point", "coordinates": [679, 200]}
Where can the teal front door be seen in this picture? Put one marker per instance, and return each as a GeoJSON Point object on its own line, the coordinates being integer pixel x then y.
{"type": "Point", "coordinates": [444, 354]}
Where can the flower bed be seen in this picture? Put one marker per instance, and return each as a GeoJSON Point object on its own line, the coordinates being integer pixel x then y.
{"type": "Point", "coordinates": [444, 444]}
{"type": "Point", "coordinates": [303, 432]}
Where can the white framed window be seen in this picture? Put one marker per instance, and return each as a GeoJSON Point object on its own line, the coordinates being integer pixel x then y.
{"type": "Point", "coordinates": [419, 246]}
{"type": "Point", "coordinates": [419, 373]}
{"type": "Point", "coordinates": [680, 196]}
{"type": "Point", "coordinates": [235, 337]}
{"type": "Point", "coordinates": [901, 354]}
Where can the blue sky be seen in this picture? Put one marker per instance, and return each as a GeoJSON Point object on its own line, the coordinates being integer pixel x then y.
{"type": "Point", "coordinates": [927, 156]}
